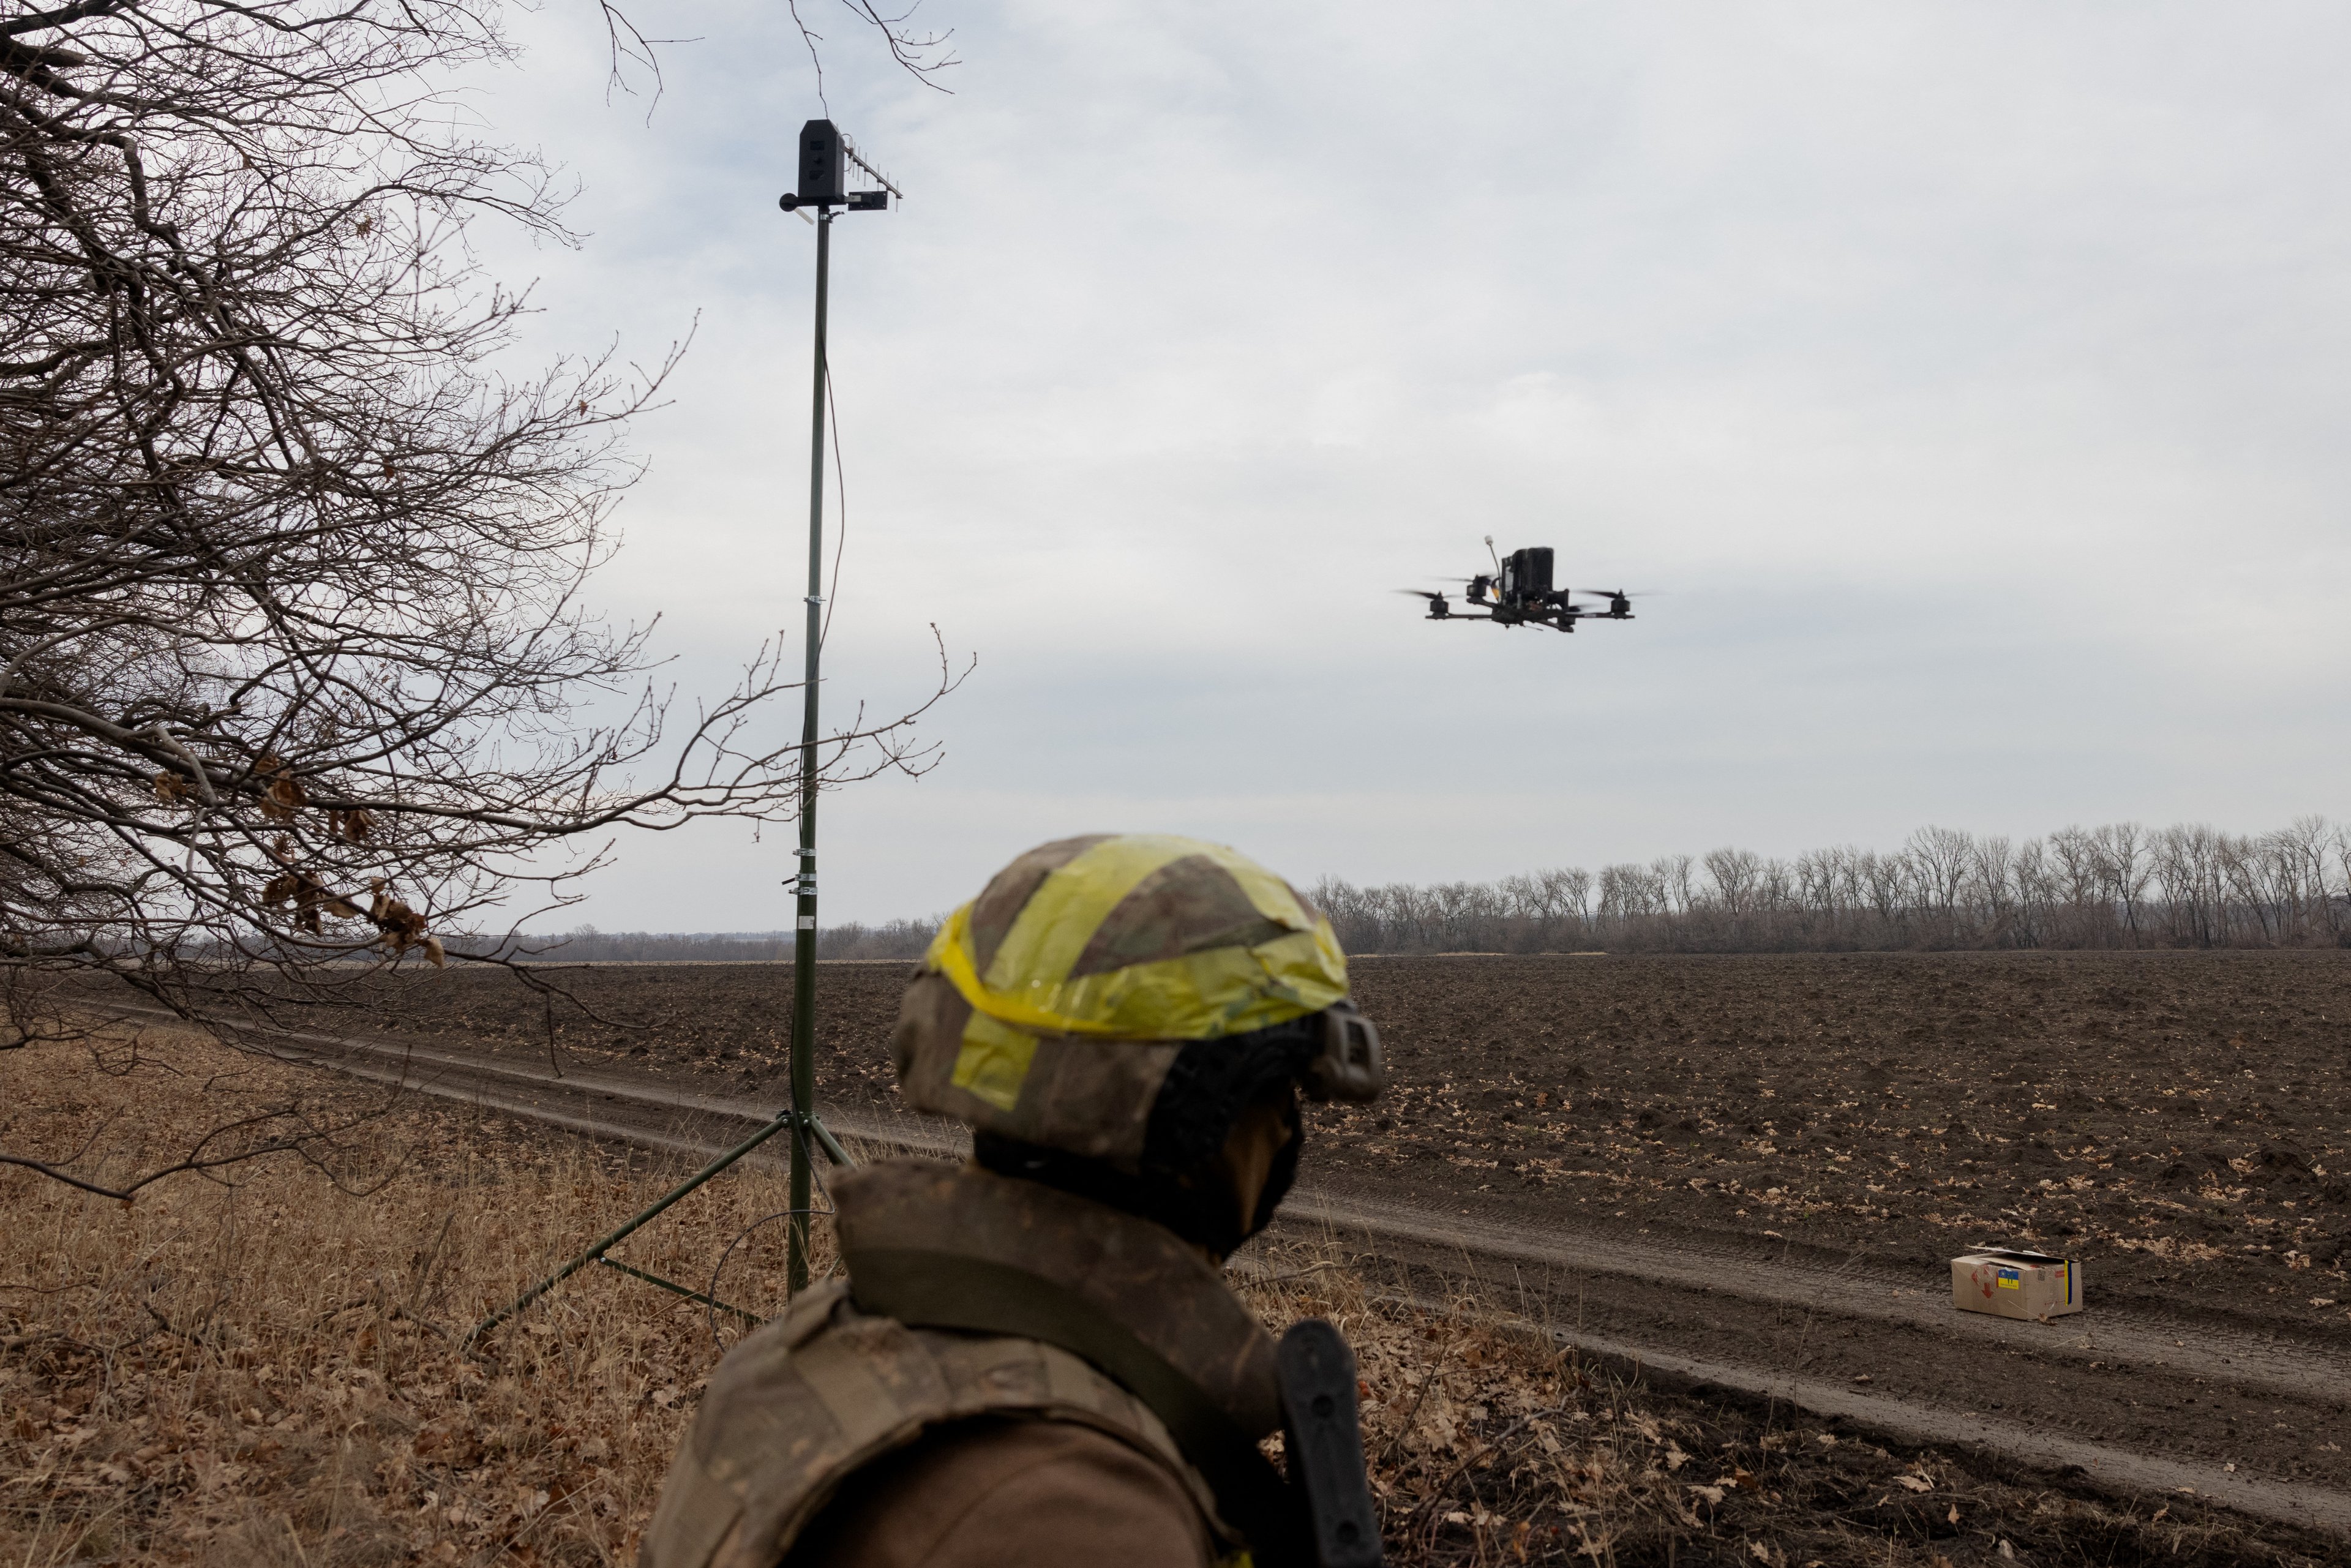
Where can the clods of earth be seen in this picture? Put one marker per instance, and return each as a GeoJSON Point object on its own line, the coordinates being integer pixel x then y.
{"type": "Point", "coordinates": [2179, 1121]}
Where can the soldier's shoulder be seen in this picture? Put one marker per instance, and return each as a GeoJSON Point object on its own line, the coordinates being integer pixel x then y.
{"type": "Point", "coordinates": [994, 1492]}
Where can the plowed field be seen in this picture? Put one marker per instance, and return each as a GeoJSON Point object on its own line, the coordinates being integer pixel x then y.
{"type": "Point", "coordinates": [2181, 1122]}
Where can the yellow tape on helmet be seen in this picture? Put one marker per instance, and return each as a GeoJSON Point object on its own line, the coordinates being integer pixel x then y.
{"type": "Point", "coordinates": [1198, 996]}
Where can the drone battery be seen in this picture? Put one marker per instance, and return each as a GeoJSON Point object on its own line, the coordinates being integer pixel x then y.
{"type": "Point", "coordinates": [1527, 572]}
{"type": "Point", "coordinates": [823, 168]}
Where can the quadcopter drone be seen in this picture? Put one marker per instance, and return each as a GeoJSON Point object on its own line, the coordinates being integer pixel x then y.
{"type": "Point", "coordinates": [1521, 595]}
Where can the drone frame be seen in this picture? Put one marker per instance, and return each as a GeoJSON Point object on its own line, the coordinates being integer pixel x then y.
{"type": "Point", "coordinates": [1522, 596]}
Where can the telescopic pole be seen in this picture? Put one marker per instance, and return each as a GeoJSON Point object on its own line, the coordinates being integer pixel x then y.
{"type": "Point", "coordinates": [804, 932]}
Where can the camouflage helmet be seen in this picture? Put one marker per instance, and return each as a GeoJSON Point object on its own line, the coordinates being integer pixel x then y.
{"type": "Point", "coordinates": [1052, 1009]}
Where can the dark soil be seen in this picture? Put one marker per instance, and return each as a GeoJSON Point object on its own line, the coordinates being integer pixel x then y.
{"type": "Point", "coordinates": [1764, 1485]}
{"type": "Point", "coordinates": [2178, 1121]}
{"type": "Point", "coordinates": [2181, 1122]}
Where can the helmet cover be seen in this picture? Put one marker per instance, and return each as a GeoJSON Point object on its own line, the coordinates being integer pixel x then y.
{"type": "Point", "coordinates": [1051, 1008]}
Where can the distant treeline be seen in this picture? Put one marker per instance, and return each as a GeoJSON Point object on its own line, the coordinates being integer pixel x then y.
{"type": "Point", "coordinates": [2123, 885]}
{"type": "Point", "coordinates": [894, 939]}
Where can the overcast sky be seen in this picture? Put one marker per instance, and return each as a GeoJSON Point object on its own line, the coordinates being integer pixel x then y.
{"type": "Point", "coordinates": [1972, 378]}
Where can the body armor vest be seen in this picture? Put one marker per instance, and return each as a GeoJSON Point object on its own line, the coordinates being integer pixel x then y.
{"type": "Point", "coordinates": [827, 1389]}
{"type": "Point", "coordinates": [809, 1399]}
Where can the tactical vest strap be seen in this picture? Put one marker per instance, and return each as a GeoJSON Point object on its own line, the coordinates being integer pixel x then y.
{"type": "Point", "coordinates": [931, 1289]}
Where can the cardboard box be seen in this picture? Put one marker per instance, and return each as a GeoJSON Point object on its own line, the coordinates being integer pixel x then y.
{"type": "Point", "coordinates": [2030, 1285]}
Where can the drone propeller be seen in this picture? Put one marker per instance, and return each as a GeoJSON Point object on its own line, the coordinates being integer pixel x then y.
{"type": "Point", "coordinates": [1418, 592]}
{"type": "Point", "coordinates": [1606, 593]}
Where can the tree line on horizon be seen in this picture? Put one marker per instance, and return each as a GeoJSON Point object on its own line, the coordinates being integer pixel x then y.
{"type": "Point", "coordinates": [2122, 885]}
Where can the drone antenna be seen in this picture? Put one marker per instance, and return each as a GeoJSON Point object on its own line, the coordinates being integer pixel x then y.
{"type": "Point", "coordinates": [1497, 559]}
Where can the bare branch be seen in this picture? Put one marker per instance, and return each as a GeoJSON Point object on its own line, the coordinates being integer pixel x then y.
{"type": "Point", "coordinates": [298, 668]}
{"type": "Point", "coordinates": [921, 53]}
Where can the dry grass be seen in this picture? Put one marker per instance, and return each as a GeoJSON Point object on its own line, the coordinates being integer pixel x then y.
{"type": "Point", "coordinates": [259, 1368]}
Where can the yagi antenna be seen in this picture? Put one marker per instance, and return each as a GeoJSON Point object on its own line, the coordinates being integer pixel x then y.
{"type": "Point", "coordinates": [851, 148]}
{"type": "Point", "coordinates": [825, 156]}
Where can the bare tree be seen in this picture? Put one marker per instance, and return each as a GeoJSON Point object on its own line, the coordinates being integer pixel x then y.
{"type": "Point", "coordinates": [1559, 896]}
{"type": "Point", "coordinates": [1675, 882]}
{"type": "Point", "coordinates": [1735, 875]}
{"type": "Point", "coordinates": [1887, 878]}
{"type": "Point", "coordinates": [1569, 888]}
{"type": "Point", "coordinates": [2301, 852]}
{"type": "Point", "coordinates": [296, 664]}
{"type": "Point", "coordinates": [1817, 895]}
{"type": "Point", "coordinates": [2088, 917]}
{"type": "Point", "coordinates": [1942, 858]}
{"type": "Point", "coordinates": [2337, 903]}
{"type": "Point", "coordinates": [1993, 880]}
{"type": "Point", "coordinates": [2186, 874]}
{"type": "Point", "coordinates": [2121, 848]}
{"type": "Point", "coordinates": [2035, 893]}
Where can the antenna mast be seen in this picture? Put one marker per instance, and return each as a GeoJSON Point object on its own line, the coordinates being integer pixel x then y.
{"type": "Point", "coordinates": [824, 154]}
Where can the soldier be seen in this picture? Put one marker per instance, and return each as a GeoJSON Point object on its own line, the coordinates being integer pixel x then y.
{"type": "Point", "coordinates": [1034, 1359]}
